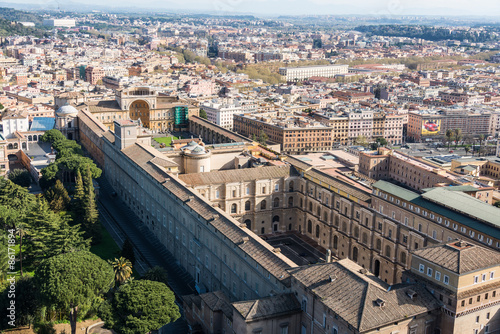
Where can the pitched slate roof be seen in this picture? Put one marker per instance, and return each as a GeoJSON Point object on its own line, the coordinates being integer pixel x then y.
{"type": "Point", "coordinates": [353, 296]}
{"type": "Point", "coordinates": [246, 240]}
{"type": "Point", "coordinates": [252, 310]}
{"type": "Point", "coordinates": [236, 175]}
{"type": "Point", "coordinates": [459, 256]}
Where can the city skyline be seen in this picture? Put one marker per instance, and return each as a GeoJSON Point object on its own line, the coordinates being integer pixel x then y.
{"type": "Point", "coordinates": [294, 7]}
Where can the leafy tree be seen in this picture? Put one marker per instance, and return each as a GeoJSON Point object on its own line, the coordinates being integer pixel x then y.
{"type": "Point", "coordinates": [122, 268]}
{"type": "Point", "coordinates": [449, 136]}
{"type": "Point", "coordinates": [141, 307]}
{"type": "Point", "coordinates": [69, 281]}
{"type": "Point", "coordinates": [20, 177]}
{"type": "Point", "coordinates": [157, 274]}
{"type": "Point", "coordinates": [4, 256]}
{"type": "Point", "coordinates": [128, 251]}
{"type": "Point", "coordinates": [203, 114]}
{"type": "Point", "coordinates": [58, 197]}
{"type": "Point", "coordinates": [497, 204]}
{"type": "Point", "coordinates": [263, 137]}
{"type": "Point", "coordinates": [361, 140]}
{"type": "Point", "coordinates": [64, 168]}
{"type": "Point", "coordinates": [382, 141]}
{"type": "Point", "coordinates": [52, 136]}
{"type": "Point", "coordinates": [79, 197]}
{"type": "Point", "coordinates": [27, 301]}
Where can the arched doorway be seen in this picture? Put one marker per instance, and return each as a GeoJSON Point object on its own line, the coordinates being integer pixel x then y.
{"type": "Point", "coordinates": [376, 268]}
{"type": "Point", "coordinates": [139, 109]}
{"type": "Point", "coordinates": [355, 254]}
{"type": "Point", "coordinates": [276, 220]}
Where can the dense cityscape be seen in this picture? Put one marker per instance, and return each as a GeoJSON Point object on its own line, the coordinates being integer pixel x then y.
{"type": "Point", "coordinates": [225, 172]}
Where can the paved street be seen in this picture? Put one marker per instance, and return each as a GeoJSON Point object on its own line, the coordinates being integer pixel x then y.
{"type": "Point", "coordinates": [121, 222]}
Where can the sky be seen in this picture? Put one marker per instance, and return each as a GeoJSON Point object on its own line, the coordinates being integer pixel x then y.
{"type": "Point", "coordinates": [315, 7]}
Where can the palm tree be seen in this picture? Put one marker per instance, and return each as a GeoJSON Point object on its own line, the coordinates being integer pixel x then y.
{"type": "Point", "coordinates": [122, 268]}
{"type": "Point", "coordinates": [458, 136]}
{"type": "Point", "coordinates": [467, 149]}
{"type": "Point", "coordinates": [449, 136]}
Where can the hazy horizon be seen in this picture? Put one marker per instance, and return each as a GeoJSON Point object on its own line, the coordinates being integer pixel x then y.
{"type": "Point", "coordinates": [300, 7]}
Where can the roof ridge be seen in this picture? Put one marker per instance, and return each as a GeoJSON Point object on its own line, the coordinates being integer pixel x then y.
{"type": "Point", "coordinates": [254, 305]}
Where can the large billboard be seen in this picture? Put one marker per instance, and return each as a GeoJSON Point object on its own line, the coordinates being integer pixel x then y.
{"type": "Point", "coordinates": [431, 127]}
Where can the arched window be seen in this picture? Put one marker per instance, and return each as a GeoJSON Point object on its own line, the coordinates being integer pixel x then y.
{"type": "Point", "coordinates": [290, 201]}
{"type": "Point", "coordinates": [23, 145]}
{"type": "Point", "coordinates": [317, 231]}
{"type": "Point", "coordinates": [263, 205]}
{"type": "Point", "coordinates": [276, 219]}
{"type": "Point", "coordinates": [10, 146]}
{"type": "Point", "coordinates": [309, 227]}
{"type": "Point", "coordinates": [30, 138]}
{"type": "Point", "coordinates": [276, 202]}
{"type": "Point", "coordinates": [365, 238]}
{"type": "Point", "coordinates": [290, 186]}
{"type": "Point", "coordinates": [247, 206]}
{"type": "Point", "coordinates": [356, 232]}
{"type": "Point", "coordinates": [355, 254]}
{"type": "Point", "coordinates": [262, 230]}
{"type": "Point", "coordinates": [234, 207]}
{"type": "Point", "coordinates": [248, 223]}
{"type": "Point", "coordinates": [16, 146]}
{"type": "Point", "coordinates": [335, 242]}
{"type": "Point", "coordinates": [403, 257]}
{"type": "Point", "coordinates": [289, 227]}
{"type": "Point", "coordinates": [378, 244]}
{"type": "Point", "coordinates": [388, 251]}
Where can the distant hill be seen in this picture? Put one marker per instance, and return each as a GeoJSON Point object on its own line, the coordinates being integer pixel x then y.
{"type": "Point", "coordinates": [11, 14]}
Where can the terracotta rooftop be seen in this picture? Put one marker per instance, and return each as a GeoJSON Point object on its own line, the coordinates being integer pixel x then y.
{"type": "Point", "coordinates": [362, 302]}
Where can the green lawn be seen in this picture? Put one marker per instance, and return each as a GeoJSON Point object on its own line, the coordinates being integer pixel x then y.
{"type": "Point", "coordinates": [165, 140]}
{"type": "Point", "coordinates": [107, 249]}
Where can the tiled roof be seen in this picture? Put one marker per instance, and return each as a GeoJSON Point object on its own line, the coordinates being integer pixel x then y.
{"type": "Point", "coordinates": [218, 301]}
{"type": "Point", "coordinates": [246, 240]}
{"type": "Point", "coordinates": [236, 175]}
{"type": "Point", "coordinates": [440, 209]}
{"type": "Point", "coordinates": [353, 296]}
{"type": "Point", "coordinates": [94, 124]}
{"type": "Point", "coordinates": [102, 106]}
{"type": "Point", "coordinates": [267, 307]}
{"type": "Point", "coordinates": [458, 259]}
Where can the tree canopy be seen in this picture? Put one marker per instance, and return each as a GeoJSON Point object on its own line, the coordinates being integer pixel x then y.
{"type": "Point", "coordinates": [140, 307]}
{"type": "Point", "coordinates": [72, 280]}
{"type": "Point", "coordinates": [21, 177]}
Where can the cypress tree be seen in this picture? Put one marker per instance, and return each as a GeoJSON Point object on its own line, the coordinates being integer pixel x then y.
{"type": "Point", "coordinates": [79, 199]}
{"type": "Point", "coordinates": [90, 221]}
{"type": "Point", "coordinates": [58, 197]}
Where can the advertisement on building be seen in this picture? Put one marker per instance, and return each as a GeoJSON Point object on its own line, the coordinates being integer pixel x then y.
{"type": "Point", "coordinates": [431, 126]}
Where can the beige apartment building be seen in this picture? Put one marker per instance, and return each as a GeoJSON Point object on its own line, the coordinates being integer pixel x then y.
{"type": "Point", "coordinates": [464, 278]}
{"type": "Point", "coordinates": [431, 125]}
{"type": "Point", "coordinates": [294, 134]}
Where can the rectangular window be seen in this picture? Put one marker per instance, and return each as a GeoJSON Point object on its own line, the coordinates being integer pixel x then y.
{"type": "Point", "coordinates": [421, 268]}
{"type": "Point", "coordinates": [276, 187]}
{"type": "Point", "coordinates": [437, 276]}
{"type": "Point", "coordinates": [483, 278]}
{"type": "Point", "coordinates": [492, 274]}
{"type": "Point", "coordinates": [446, 279]}
{"type": "Point", "coordinates": [429, 272]}
{"type": "Point", "coordinates": [476, 279]}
